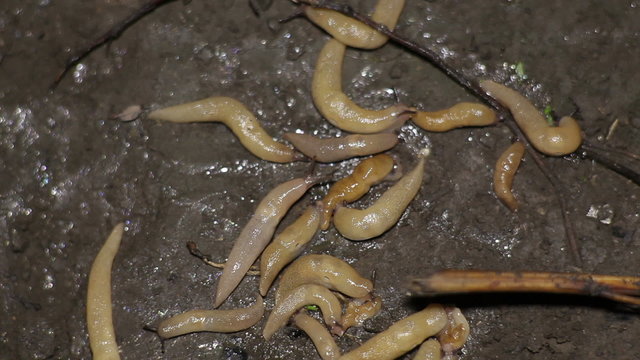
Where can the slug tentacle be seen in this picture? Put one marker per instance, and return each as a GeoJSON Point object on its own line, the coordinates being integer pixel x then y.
{"type": "Point", "coordinates": [355, 33]}
{"type": "Point", "coordinates": [335, 105]}
{"type": "Point", "coordinates": [551, 140]}
{"type": "Point", "coordinates": [238, 118]}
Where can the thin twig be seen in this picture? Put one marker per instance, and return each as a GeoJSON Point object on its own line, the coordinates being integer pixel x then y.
{"type": "Point", "coordinates": [473, 87]}
{"type": "Point", "coordinates": [110, 35]}
{"type": "Point", "coordinates": [193, 250]}
{"type": "Point", "coordinates": [624, 289]}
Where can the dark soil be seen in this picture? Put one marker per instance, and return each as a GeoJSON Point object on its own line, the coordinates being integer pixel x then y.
{"type": "Point", "coordinates": [69, 172]}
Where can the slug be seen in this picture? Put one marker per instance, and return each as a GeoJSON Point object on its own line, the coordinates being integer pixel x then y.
{"type": "Point", "coordinates": [456, 332]}
{"type": "Point", "coordinates": [368, 173]}
{"type": "Point", "coordinates": [337, 108]}
{"type": "Point", "coordinates": [255, 236]}
{"type": "Point", "coordinates": [402, 336]}
{"type": "Point", "coordinates": [292, 301]}
{"type": "Point", "coordinates": [373, 221]}
{"type": "Point", "coordinates": [460, 115]}
{"type": "Point", "coordinates": [359, 310]}
{"type": "Point", "coordinates": [287, 246]}
{"type": "Point", "coordinates": [505, 170]}
{"type": "Point", "coordinates": [355, 33]}
{"type": "Point", "coordinates": [322, 339]}
{"type": "Point", "coordinates": [429, 350]}
{"type": "Point", "coordinates": [324, 270]}
{"type": "Point", "coordinates": [102, 337]}
{"type": "Point", "coordinates": [551, 140]}
{"type": "Point", "coordinates": [238, 118]}
{"type": "Point", "coordinates": [341, 148]}
{"type": "Point", "coordinates": [212, 320]}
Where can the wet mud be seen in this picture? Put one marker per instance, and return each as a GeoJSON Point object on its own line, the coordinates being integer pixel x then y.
{"type": "Point", "coordinates": [69, 171]}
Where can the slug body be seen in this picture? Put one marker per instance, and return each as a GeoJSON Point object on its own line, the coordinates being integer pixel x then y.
{"type": "Point", "coordinates": [341, 148]}
{"type": "Point", "coordinates": [212, 320]}
{"type": "Point", "coordinates": [355, 33]}
{"type": "Point", "coordinates": [505, 170]}
{"type": "Point", "coordinates": [287, 246]}
{"type": "Point", "coordinates": [256, 234]}
{"type": "Point", "coordinates": [551, 140]}
{"type": "Point", "coordinates": [402, 336]}
{"type": "Point", "coordinates": [368, 223]}
{"type": "Point", "coordinates": [307, 294]}
{"type": "Point", "coordinates": [102, 337]}
{"type": "Point", "coordinates": [456, 332]}
{"type": "Point", "coordinates": [359, 310]}
{"type": "Point", "coordinates": [429, 350]}
{"type": "Point", "coordinates": [335, 105]}
{"type": "Point", "coordinates": [324, 270]}
{"type": "Point", "coordinates": [238, 118]}
{"type": "Point", "coordinates": [322, 339]}
{"type": "Point", "coordinates": [351, 188]}
{"type": "Point", "coordinates": [460, 115]}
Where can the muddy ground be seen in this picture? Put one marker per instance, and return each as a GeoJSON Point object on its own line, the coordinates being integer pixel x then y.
{"type": "Point", "coordinates": [69, 172]}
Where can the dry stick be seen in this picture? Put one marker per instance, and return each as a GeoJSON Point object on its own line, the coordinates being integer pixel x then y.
{"type": "Point", "coordinates": [473, 87]}
{"type": "Point", "coordinates": [624, 289]}
{"type": "Point", "coordinates": [110, 35]}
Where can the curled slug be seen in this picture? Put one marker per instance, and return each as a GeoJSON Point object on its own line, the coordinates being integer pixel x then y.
{"type": "Point", "coordinates": [292, 301]}
{"type": "Point", "coordinates": [359, 310]}
{"type": "Point", "coordinates": [505, 170]}
{"type": "Point", "coordinates": [287, 246]}
{"type": "Point", "coordinates": [460, 115]}
{"type": "Point", "coordinates": [255, 236]}
{"type": "Point", "coordinates": [212, 320]}
{"type": "Point", "coordinates": [456, 332]}
{"type": "Point", "coordinates": [238, 118]}
{"type": "Point", "coordinates": [551, 140]}
{"type": "Point", "coordinates": [322, 339]}
{"type": "Point", "coordinates": [324, 270]}
{"type": "Point", "coordinates": [341, 148]}
{"type": "Point", "coordinates": [402, 336]}
{"type": "Point", "coordinates": [335, 105]}
{"type": "Point", "coordinates": [373, 221]}
{"type": "Point", "coordinates": [102, 337]}
{"type": "Point", "coordinates": [355, 33]}
{"type": "Point", "coordinates": [429, 350]}
{"type": "Point", "coordinates": [368, 173]}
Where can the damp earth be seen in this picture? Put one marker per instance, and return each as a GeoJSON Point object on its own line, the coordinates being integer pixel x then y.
{"type": "Point", "coordinates": [70, 170]}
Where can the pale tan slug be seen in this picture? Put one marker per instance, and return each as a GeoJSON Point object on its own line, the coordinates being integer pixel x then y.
{"type": "Point", "coordinates": [292, 301]}
{"type": "Point", "coordinates": [505, 170]}
{"type": "Point", "coordinates": [325, 270]}
{"type": "Point", "coordinates": [322, 339]}
{"type": "Point", "coordinates": [355, 224]}
{"type": "Point", "coordinates": [238, 118]}
{"type": "Point", "coordinates": [429, 350]}
{"type": "Point", "coordinates": [288, 245]}
{"type": "Point", "coordinates": [460, 115]}
{"type": "Point", "coordinates": [335, 105]}
{"type": "Point", "coordinates": [341, 148]}
{"type": "Point", "coordinates": [255, 236]}
{"type": "Point", "coordinates": [224, 321]}
{"type": "Point", "coordinates": [351, 188]}
{"type": "Point", "coordinates": [551, 140]}
{"type": "Point", "coordinates": [402, 336]}
{"type": "Point", "coordinates": [102, 337]}
{"type": "Point", "coordinates": [355, 33]}
{"type": "Point", "coordinates": [359, 310]}
{"type": "Point", "coordinates": [455, 333]}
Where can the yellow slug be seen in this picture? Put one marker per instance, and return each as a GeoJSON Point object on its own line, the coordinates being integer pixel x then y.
{"type": "Point", "coordinates": [460, 115]}
{"type": "Point", "coordinates": [429, 350]}
{"type": "Point", "coordinates": [238, 118]}
{"type": "Point", "coordinates": [351, 188]}
{"type": "Point", "coordinates": [551, 140]}
{"type": "Point", "coordinates": [335, 105]}
{"type": "Point", "coordinates": [322, 339]}
{"type": "Point", "coordinates": [352, 32]}
{"type": "Point", "coordinates": [505, 170]}
{"type": "Point", "coordinates": [341, 148]}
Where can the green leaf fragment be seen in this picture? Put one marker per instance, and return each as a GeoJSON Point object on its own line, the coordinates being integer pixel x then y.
{"type": "Point", "coordinates": [548, 114]}
{"type": "Point", "coordinates": [311, 307]}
